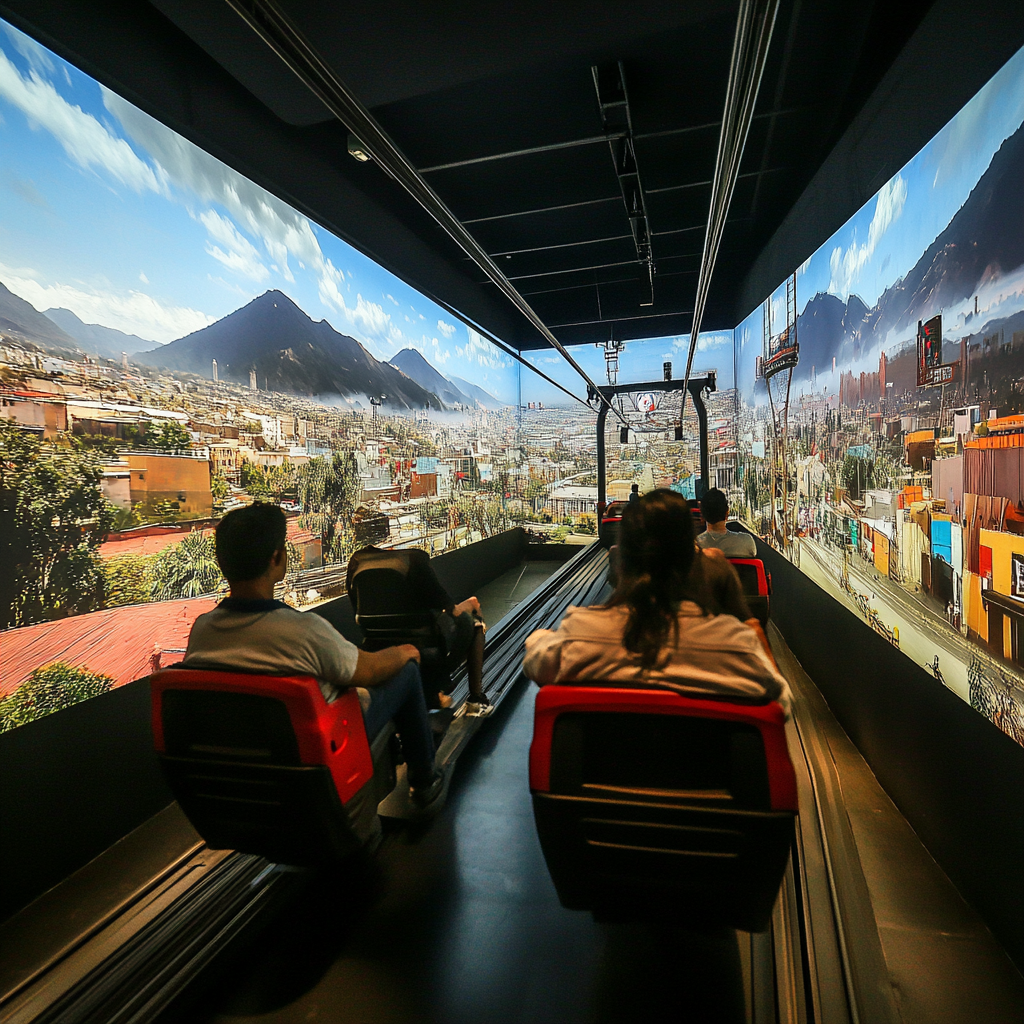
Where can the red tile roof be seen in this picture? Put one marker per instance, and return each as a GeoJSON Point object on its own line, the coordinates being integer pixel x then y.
{"type": "Point", "coordinates": [118, 642]}
{"type": "Point", "coordinates": [147, 540]}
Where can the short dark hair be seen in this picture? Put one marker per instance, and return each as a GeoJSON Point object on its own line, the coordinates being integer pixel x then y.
{"type": "Point", "coordinates": [247, 538]}
{"type": "Point", "coordinates": [714, 506]}
{"type": "Point", "coordinates": [635, 487]}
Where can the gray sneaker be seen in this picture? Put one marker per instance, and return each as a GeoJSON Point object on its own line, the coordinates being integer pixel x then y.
{"type": "Point", "coordinates": [478, 708]}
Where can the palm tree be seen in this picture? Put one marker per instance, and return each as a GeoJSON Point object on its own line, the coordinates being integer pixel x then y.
{"type": "Point", "coordinates": [188, 569]}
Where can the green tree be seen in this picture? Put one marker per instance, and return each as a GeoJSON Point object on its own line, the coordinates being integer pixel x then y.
{"type": "Point", "coordinates": [50, 688]}
{"type": "Point", "coordinates": [128, 579]}
{"type": "Point", "coordinates": [218, 487]}
{"type": "Point", "coordinates": [857, 475]}
{"type": "Point", "coordinates": [329, 492]}
{"type": "Point", "coordinates": [53, 516]}
{"type": "Point", "coordinates": [127, 518]}
{"type": "Point", "coordinates": [168, 436]}
{"type": "Point", "coordinates": [267, 483]}
{"type": "Point", "coordinates": [188, 569]}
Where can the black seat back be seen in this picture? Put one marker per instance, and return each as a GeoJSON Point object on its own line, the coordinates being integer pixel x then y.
{"type": "Point", "coordinates": [648, 813]}
{"type": "Point", "coordinates": [390, 611]}
{"type": "Point", "coordinates": [387, 606]}
{"type": "Point", "coordinates": [718, 763]}
{"type": "Point", "coordinates": [748, 578]}
{"type": "Point", "coordinates": [215, 725]}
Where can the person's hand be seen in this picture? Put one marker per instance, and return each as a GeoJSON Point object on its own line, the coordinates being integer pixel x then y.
{"type": "Point", "coordinates": [471, 605]}
{"type": "Point", "coordinates": [411, 652]}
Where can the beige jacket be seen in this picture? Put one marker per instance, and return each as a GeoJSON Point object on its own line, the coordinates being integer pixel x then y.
{"type": "Point", "coordinates": [715, 654]}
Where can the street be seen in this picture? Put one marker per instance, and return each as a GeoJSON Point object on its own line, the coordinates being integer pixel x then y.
{"type": "Point", "coordinates": [921, 636]}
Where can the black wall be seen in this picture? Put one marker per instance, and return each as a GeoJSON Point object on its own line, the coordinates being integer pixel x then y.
{"type": "Point", "coordinates": [957, 779]}
{"type": "Point", "coordinates": [72, 784]}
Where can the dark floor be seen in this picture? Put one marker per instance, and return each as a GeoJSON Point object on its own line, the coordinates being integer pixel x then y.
{"type": "Point", "coordinates": [462, 924]}
{"type": "Point", "coordinates": [501, 595]}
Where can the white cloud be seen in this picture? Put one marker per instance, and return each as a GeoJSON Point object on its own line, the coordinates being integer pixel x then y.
{"type": "Point", "coordinates": [446, 329]}
{"type": "Point", "coordinates": [479, 350]}
{"type": "Point", "coordinates": [391, 298]}
{"type": "Point", "coordinates": [133, 312]}
{"type": "Point", "coordinates": [714, 340]}
{"type": "Point", "coordinates": [241, 255]}
{"type": "Point", "coordinates": [87, 142]}
{"type": "Point", "coordinates": [846, 266]}
{"type": "Point", "coordinates": [802, 269]}
{"type": "Point", "coordinates": [284, 232]}
{"type": "Point", "coordinates": [37, 56]}
{"type": "Point", "coordinates": [143, 278]}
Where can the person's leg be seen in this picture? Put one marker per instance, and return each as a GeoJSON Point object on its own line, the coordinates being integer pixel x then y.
{"type": "Point", "coordinates": [467, 645]}
{"type": "Point", "coordinates": [475, 665]}
{"type": "Point", "coordinates": [401, 699]}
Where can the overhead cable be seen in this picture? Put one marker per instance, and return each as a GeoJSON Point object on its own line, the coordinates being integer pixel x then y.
{"type": "Point", "coordinates": [267, 20]}
{"type": "Point", "coordinates": [754, 26]}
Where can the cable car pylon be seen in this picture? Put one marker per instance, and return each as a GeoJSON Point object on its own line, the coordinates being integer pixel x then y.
{"type": "Point", "coordinates": [781, 355]}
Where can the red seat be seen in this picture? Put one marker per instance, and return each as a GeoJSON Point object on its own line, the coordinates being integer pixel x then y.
{"type": "Point", "coordinates": [756, 584]}
{"type": "Point", "coordinates": [650, 802]}
{"type": "Point", "coordinates": [263, 764]}
{"type": "Point", "coordinates": [611, 517]}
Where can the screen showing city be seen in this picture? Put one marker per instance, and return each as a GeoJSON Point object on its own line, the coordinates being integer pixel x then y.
{"type": "Point", "coordinates": [176, 341]}
{"type": "Point", "coordinates": [879, 402]}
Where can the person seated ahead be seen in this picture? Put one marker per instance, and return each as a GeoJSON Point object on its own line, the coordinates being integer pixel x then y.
{"type": "Point", "coordinates": [664, 623]}
{"type": "Point", "coordinates": [714, 506]}
{"type": "Point", "coordinates": [634, 492]}
{"type": "Point", "coordinates": [460, 624]}
{"type": "Point", "coordinates": [251, 632]}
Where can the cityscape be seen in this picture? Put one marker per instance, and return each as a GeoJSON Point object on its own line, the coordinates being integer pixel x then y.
{"type": "Point", "coordinates": [881, 389]}
{"type": "Point", "coordinates": [867, 420]}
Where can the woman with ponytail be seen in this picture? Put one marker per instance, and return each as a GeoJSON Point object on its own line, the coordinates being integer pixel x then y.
{"type": "Point", "coordinates": [667, 623]}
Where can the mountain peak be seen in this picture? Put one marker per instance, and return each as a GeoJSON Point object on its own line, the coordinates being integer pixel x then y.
{"type": "Point", "coordinates": [289, 352]}
{"type": "Point", "coordinates": [415, 365]}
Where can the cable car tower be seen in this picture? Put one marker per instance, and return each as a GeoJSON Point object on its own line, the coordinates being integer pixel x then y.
{"type": "Point", "coordinates": [781, 355]}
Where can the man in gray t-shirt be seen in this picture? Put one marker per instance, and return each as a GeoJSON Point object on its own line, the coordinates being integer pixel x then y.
{"type": "Point", "coordinates": [714, 506]}
{"type": "Point", "coordinates": [251, 632]}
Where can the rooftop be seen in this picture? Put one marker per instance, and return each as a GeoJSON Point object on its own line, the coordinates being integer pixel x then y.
{"type": "Point", "coordinates": [117, 642]}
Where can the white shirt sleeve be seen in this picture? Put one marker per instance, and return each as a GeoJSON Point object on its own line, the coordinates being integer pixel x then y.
{"type": "Point", "coordinates": [336, 656]}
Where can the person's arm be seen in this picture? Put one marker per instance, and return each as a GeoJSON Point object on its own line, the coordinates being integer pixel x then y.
{"type": "Point", "coordinates": [755, 625]}
{"type": "Point", "coordinates": [543, 656]}
{"type": "Point", "coordinates": [376, 667]}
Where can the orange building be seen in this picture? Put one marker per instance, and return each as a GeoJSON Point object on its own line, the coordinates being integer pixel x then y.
{"type": "Point", "coordinates": [182, 480]}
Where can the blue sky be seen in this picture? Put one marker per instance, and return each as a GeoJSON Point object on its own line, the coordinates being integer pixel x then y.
{"type": "Point", "coordinates": [110, 214]}
{"type": "Point", "coordinates": [106, 212]}
{"type": "Point", "coordinates": [639, 361]}
{"type": "Point", "coordinates": [886, 237]}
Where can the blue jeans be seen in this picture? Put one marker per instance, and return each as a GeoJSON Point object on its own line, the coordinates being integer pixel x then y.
{"type": "Point", "coordinates": [401, 699]}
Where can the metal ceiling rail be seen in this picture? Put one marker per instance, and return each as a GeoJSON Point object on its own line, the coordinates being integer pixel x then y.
{"type": "Point", "coordinates": [754, 26]}
{"type": "Point", "coordinates": [284, 39]}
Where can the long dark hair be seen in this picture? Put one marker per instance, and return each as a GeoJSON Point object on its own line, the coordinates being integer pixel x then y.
{"type": "Point", "coordinates": [656, 553]}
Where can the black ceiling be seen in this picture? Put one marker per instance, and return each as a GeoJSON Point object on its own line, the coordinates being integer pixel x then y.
{"type": "Point", "coordinates": [495, 104]}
